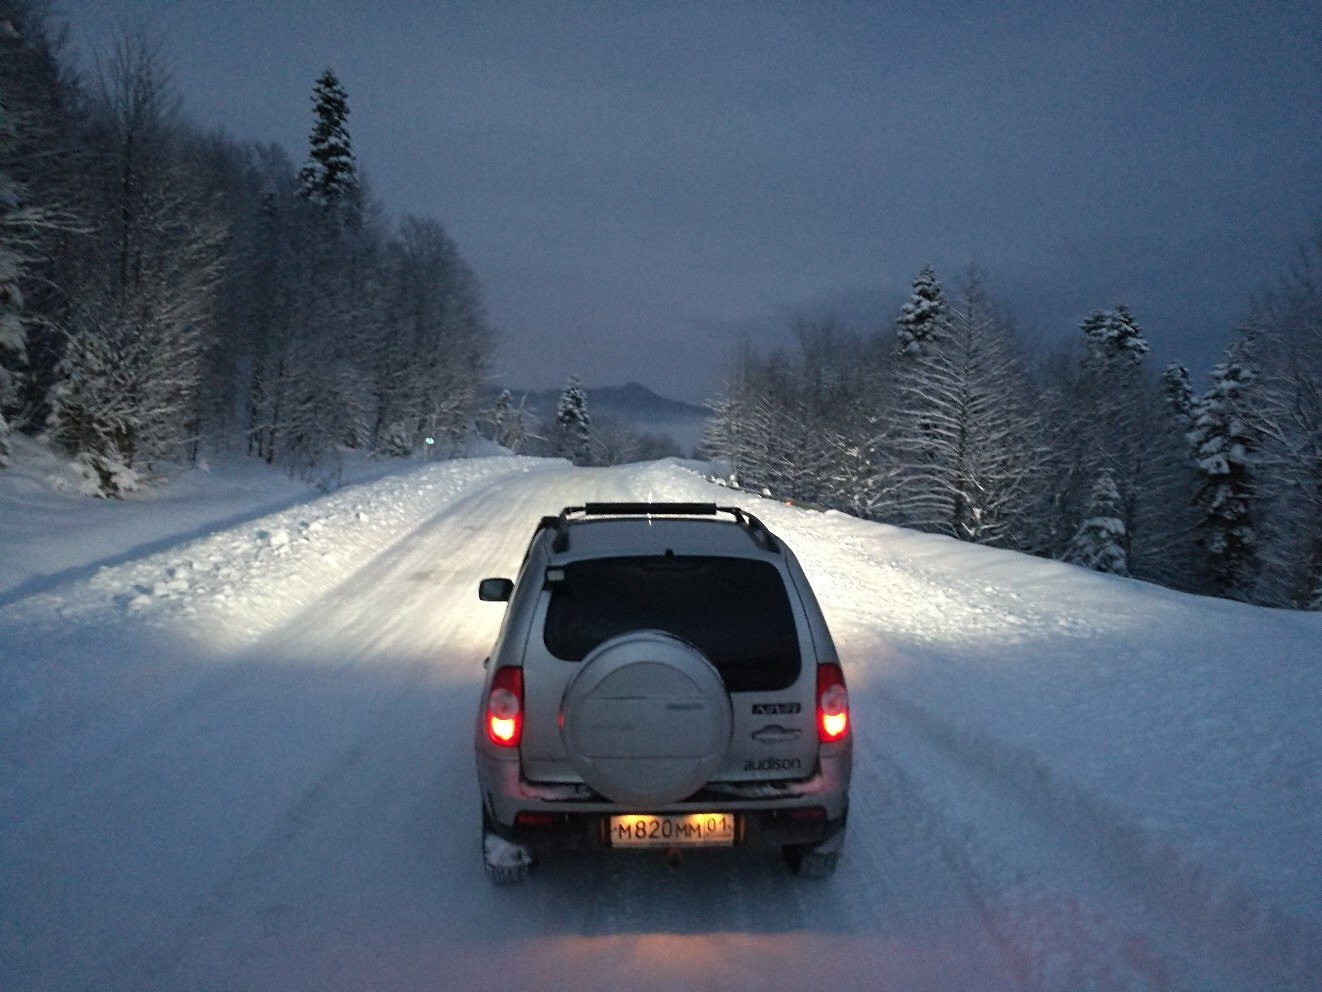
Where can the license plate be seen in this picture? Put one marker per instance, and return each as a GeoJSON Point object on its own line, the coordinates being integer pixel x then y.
{"type": "Point", "coordinates": [688, 830]}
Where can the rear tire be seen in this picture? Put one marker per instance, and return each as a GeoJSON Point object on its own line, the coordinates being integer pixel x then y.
{"type": "Point", "coordinates": [808, 861]}
{"type": "Point", "coordinates": [505, 862]}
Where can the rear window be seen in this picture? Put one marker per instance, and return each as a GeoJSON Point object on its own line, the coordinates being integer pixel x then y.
{"type": "Point", "coordinates": [736, 611]}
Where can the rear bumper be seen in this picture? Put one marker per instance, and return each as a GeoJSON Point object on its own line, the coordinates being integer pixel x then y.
{"type": "Point", "coordinates": [803, 811]}
{"type": "Point", "coordinates": [762, 828]}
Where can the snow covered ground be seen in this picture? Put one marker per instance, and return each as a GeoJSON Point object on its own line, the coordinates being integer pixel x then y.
{"type": "Point", "coordinates": [235, 722]}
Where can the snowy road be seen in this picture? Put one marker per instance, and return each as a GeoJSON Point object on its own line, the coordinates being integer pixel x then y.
{"type": "Point", "coordinates": [292, 805]}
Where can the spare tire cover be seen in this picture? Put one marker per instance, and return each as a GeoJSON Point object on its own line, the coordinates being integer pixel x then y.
{"type": "Point", "coordinates": [647, 720]}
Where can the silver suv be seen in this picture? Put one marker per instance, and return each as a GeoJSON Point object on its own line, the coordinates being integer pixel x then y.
{"type": "Point", "coordinates": [663, 678]}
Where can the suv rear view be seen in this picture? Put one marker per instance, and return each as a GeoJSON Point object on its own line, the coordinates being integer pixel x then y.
{"type": "Point", "coordinates": [663, 678]}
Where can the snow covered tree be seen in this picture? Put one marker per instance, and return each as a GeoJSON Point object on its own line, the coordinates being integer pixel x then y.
{"type": "Point", "coordinates": [434, 341]}
{"type": "Point", "coordinates": [921, 318]}
{"type": "Point", "coordinates": [848, 419]}
{"type": "Point", "coordinates": [1223, 449]}
{"type": "Point", "coordinates": [614, 442]}
{"type": "Point", "coordinates": [509, 423]}
{"type": "Point", "coordinates": [1177, 389]}
{"type": "Point", "coordinates": [1113, 336]}
{"type": "Point", "coordinates": [155, 280]}
{"type": "Point", "coordinates": [330, 175]}
{"type": "Point", "coordinates": [573, 424]}
{"type": "Point", "coordinates": [767, 427]}
{"type": "Point", "coordinates": [139, 330]}
{"type": "Point", "coordinates": [1100, 543]}
{"type": "Point", "coordinates": [500, 414]}
{"type": "Point", "coordinates": [722, 437]}
{"type": "Point", "coordinates": [961, 439]}
{"type": "Point", "coordinates": [1283, 407]}
{"type": "Point", "coordinates": [1108, 413]}
{"type": "Point", "coordinates": [266, 283]}
{"type": "Point", "coordinates": [904, 448]}
{"type": "Point", "coordinates": [337, 297]}
{"type": "Point", "coordinates": [38, 184]}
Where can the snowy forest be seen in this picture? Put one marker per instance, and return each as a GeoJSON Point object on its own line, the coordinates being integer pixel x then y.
{"type": "Point", "coordinates": [162, 288]}
{"type": "Point", "coordinates": [1089, 455]}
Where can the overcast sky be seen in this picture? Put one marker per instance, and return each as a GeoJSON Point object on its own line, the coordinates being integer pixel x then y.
{"type": "Point", "coordinates": [642, 186]}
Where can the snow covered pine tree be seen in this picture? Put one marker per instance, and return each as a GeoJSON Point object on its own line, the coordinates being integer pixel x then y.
{"type": "Point", "coordinates": [330, 174]}
{"type": "Point", "coordinates": [573, 423]}
{"type": "Point", "coordinates": [1223, 450]}
{"type": "Point", "coordinates": [1099, 543]}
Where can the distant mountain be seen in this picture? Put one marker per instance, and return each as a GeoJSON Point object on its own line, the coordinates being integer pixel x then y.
{"type": "Point", "coordinates": [632, 403]}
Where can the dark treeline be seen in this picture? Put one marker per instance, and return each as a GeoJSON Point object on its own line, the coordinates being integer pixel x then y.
{"type": "Point", "coordinates": [162, 289]}
{"type": "Point", "coordinates": [1089, 455]}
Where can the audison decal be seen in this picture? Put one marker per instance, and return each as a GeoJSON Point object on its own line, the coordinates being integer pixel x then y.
{"type": "Point", "coordinates": [773, 765]}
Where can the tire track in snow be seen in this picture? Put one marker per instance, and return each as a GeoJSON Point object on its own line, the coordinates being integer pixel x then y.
{"type": "Point", "coordinates": [1079, 889]}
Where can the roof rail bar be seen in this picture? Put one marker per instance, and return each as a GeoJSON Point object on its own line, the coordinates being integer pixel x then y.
{"type": "Point", "coordinates": [755, 527]}
{"type": "Point", "coordinates": [560, 543]}
{"type": "Point", "coordinates": [647, 509]}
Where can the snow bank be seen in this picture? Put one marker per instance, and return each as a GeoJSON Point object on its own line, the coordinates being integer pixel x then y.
{"type": "Point", "coordinates": [50, 534]}
{"type": "Point", "coordinates": [75, 647]}
{"type": "Point", "coordinates": [247, 579]}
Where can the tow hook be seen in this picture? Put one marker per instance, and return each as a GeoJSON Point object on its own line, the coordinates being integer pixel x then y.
{"type": "Point", "coordinates": [673, 856]}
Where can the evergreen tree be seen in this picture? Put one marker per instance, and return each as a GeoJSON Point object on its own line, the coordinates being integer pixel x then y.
{"type": "Point", "coordinates": [1177, 388]}
{"type": "Point", "coordinates": [1114, 336]}
{"type": "Point", "coordinates": [921, 318]}
{"type": "Point", "coordinates": [905, 477]}
{"type": "Point", "coordinates": [573, 424]}
{"type": "Point", "coordinates": [1223, 452]}
{"type": "Point", "coordinates": [337, 291]}
{"type": "Point", "coordinates": [1100, 543]}
{"type": "Point", "coordinates": [1110, 416]}
{"type": "Point", "coordinates": [330, 174]}
{"type": "Point", "coordinates": [960, 441]}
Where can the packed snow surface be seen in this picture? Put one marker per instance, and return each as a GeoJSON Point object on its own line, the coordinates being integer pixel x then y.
{"type": "Point", "coordinates": [235, 753]}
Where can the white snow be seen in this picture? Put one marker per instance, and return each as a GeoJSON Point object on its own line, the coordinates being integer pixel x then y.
{"type": "Point", "coordinates": [235, 752]}
{"type": "Point", "coordinates": [501, 853]}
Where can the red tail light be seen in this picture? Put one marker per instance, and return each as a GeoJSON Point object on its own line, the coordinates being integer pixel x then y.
{"type": "Point", "coordinates": [832, 704]}
{"type": "Point", "coordinates": [505, 707]}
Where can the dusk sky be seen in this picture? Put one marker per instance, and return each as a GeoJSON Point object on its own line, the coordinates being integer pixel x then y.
{"type": "Point", "coordinates": [641, 187]}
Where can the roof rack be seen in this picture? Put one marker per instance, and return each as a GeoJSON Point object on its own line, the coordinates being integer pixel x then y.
{"type": "Point", "coordinates": [560, 524]}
